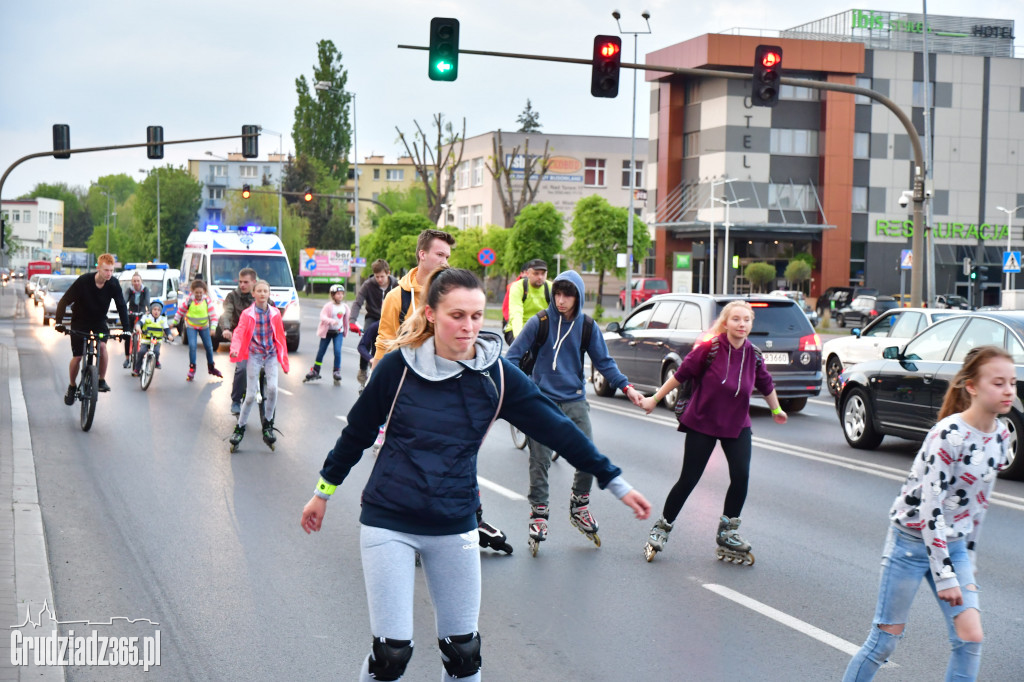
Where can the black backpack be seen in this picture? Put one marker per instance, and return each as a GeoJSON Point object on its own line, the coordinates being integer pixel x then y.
{"type": "Point", "coordinates": [529, 358]}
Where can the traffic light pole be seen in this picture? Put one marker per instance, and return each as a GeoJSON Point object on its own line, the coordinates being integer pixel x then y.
{"type": "Point", "coordinates": [346, 197]}
{"type": "Point", "coordinates": [917, 243]}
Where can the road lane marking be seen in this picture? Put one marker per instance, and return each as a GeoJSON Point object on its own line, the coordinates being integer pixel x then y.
{"type": "Point", "coordinates": [500, 489]}
{"type": "Point", "coordinates": [341, 417]}
{"type": "Point", "coordinates": [784, 618]}
{"type": "Point", "coordinates": [285, 391]}
{"type": "Point", "coordinates": [880, 470]}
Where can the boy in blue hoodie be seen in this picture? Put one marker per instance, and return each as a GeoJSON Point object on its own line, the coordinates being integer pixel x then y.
{"type": "Point", "coordinates": [558, 373]}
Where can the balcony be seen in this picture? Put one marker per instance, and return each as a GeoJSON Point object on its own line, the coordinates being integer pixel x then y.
{"type": "Point", "coordinates": [216, 180]}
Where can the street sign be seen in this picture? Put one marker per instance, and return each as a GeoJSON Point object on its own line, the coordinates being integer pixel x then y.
{"type": "Point", "coordinates": [906, 259]}
{"type": "Point", "coordinates": [485, 256]}
{"type": "Point", "coordinates": [683, 261]}
{"type": "Point", "coordinates": [1011, 261]}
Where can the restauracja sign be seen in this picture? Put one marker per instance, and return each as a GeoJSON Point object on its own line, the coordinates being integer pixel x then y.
{"type": "Point", "coordinates": [905, 228]}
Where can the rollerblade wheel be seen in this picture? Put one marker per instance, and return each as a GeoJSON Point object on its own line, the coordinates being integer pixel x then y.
{"type": "Point", "coordinates": [534, 546]}
{"type": "Point", "coordinates": [234, 448]}
{"type": "Point", "coordinates": [596, 538]}
{"type": "Point", "coordinates": [649, 552]}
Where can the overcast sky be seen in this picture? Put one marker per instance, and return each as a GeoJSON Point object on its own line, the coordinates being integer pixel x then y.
{"type": "Point", "coordinates": [203, 68]}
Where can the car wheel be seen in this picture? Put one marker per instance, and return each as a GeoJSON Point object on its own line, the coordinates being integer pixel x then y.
{"type": "Point", "coordinates": [293, 344]}
{"type": "Point", "coordinates": [840, 322]}
{"type": "Point", "coordinates": [620, 304]}
{"type": "Point", "coordinates": [669, 401]}
{"type": "Point", "coordinates": [601, 385]}
{"type": "Point", "coordinates": [856, 421]}
{"type": "Point", "coordinates": [833, 368]}
{"type": "Point", "coordinates": [1015, 425]}
{"type": "Point", "coordinates": [792, 405]}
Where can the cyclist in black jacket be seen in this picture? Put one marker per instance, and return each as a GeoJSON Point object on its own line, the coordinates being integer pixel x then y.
{"type": "Point", "coordinates": [91, 295]}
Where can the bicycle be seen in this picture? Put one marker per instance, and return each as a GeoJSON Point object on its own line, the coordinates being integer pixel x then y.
{"type": "Point", "coordinates": [148, 366]}
{"type": "Point", "coordinates": [88, 383]}
{"type": "Point", "coordinates": [129, 361]}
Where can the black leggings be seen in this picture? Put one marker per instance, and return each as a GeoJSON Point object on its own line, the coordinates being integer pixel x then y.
{"type": "Point", "coordinates": [696, 454]}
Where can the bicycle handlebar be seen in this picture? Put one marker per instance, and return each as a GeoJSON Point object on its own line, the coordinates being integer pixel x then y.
{"type": "Point", "coordinates": [91, 332]}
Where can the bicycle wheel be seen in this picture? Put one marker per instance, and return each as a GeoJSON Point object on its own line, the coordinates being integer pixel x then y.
{"type": "Point", "coordinates": [146, 375]}
{"type": "Point", "coordinates": [518, 437]}
{"type": "Point", "coordinates": [88, 389]}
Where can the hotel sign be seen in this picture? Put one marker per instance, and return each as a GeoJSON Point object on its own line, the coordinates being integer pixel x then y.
{"type": "Point", "coordinates": [900, 22]}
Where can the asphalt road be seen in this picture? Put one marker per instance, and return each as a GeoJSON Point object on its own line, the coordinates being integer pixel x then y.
{"type": "Point", "coordinates": [149, 516]}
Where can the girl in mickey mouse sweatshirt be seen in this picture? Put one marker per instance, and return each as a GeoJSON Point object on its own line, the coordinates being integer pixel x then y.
{"type": "Point", "coordinates": [936, 519]}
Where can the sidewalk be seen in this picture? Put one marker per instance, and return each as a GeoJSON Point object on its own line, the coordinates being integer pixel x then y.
{"type": "Point", "coordinates": [24, 568]}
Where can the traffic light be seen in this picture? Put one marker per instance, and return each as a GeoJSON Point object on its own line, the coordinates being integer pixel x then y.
{"type": "Point", "coordinates": [61, 139]}
{"type": "Point", "coordinates": [978, 270]}
{"type": "Point", "coordinates": [250, 142]}
{"type": "Point", "coordinates": [246, 191]}
{"type": "Point", "coordinates": [154, 134]}
{"type": "Point", "coordinates": [444, 49]}
{"type": "Point", "coordinates": [767, 71]}
{"type": "Point", "coordinates": [307, 196]}
{"type": "Point", "coordinates": [604, 74]}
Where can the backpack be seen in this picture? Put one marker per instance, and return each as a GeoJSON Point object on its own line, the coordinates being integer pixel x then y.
{"type": "Point", "coordinates": [685, 392]}
{"type": "Point", "coordinates": [406, 302]}
{"type": "Point", "coordinates": [529, 358]}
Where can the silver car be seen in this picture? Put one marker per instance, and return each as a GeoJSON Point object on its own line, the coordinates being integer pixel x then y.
{"type": "Point", "coordinates": [55, 288]}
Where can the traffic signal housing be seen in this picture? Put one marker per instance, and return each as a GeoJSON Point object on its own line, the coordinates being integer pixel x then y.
{"type": "Point", "coordinates": [767, 72]}
{"type": "Point", "coordinates": [307, 196]}
{"type": "Point", "coordinates": [604, 73]}
{"type": "Point", "coordinates": [61, 139]}
{"type": "Point", "coordinates": [444, 49]}
{"type": "Point", "coordinates": [154, 135]}
{"type": "Point", "coordinates": [250, 141]}
{"type": "Point", "coordinates": [246, 191]}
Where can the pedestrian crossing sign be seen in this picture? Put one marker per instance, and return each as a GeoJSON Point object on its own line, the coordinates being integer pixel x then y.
{"type": "Point", "coordinates": [1011, 261]}
{"type": "Point", "coordinates": [906, 259]}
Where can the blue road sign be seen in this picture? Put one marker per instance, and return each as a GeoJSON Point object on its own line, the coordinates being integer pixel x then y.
{"type": "Point", "coordinates": [1011, 261]}
{"type": "Point", "coordinates": [906, 259]}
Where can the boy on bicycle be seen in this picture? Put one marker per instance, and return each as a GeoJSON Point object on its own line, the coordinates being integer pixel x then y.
{"type": "Point", "coordinates": [152, 328]}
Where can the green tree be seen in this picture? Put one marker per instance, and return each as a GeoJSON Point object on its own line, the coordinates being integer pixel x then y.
{"type": "Point", "coordinates": [180, 200]}
{"type": "Point", "coordinates": [529, 120]}
{"type": "Point", "coordinates": [537, 233]}
{"type": "Point", "coordinates": [599, 232]}
{"type": "Point", "coordinates": [394, 240]}
{"type": "Point", "coordinates": [321, 129]}
{"type": "Point", "coordinates": [324, 231]}
{"type": "Point", "coordinates": [78, 223]}
{"type": "Point", "coordinates": [471, 240]}
{"type": "Point", "coordinates": [759, 274]}
{"type": "Point", "coordinates": [805, 257]}
{"type": "Point", "coordinates": [411, 200]}
{"type": "Point", "coordinates": [798, 272]}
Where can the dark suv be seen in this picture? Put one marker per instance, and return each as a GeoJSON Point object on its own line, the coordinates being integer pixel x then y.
{"type": "Point", "coordinates": [651, 343]}
{"type": "Point", "coordinates": [864, 309]}
{"type": "Point", "coordinates": [835, 298]}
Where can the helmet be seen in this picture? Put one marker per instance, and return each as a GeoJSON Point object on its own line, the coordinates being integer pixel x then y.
{"type": "Point", "coordinates": [156, 304]}
{"type": "Point", "coordinates": [335, 288]}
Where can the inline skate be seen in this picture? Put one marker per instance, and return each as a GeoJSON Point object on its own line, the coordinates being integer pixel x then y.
{"type": "Point", "coordinates": [580, 516]}
{"type": "Point", "coordinates": [731, 547]}
{"type": "Point", "coordinates": [237, 437]}
{"type": "Point", "coordinates": [538, 526]}
{"type": "Point", "coordinates": [337, 377]}
{"type": "Point", "coordinates": [191, 373]}
{"type": "Point", "coordinates": [268, 433]}
{"type": "Point", "coordinates": [491, 536]}
{"type": "Point", "coordinates": [213, 371]}
{"type": "Point", "coordinates": [312, 375]}
{"type": "Point", "coordinates": [657, 539]}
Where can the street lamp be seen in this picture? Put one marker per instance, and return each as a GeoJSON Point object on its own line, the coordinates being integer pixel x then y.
{"type": "Point", "coordinates": [1010, 212]}
{"type": "Point", "coordinates": [107, 194]}
{"type": "Point", "coordinates": [632, 161]}
{"type": "Point", "coordinates": [328, 86]}
{"type": "Point", "coordinates": [711, 253]}
{"type": "Point", "coordinates": [726, 264]}
{"type": "Point", "coordinates": [157, 173]}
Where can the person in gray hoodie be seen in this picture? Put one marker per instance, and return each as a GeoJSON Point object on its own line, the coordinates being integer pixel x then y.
{"type": "Point", "coordinates": [558, 373]}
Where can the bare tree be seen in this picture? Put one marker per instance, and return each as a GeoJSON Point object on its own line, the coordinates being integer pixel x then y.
{"type": "Point", "coordinates": [433, 162]}
{"type": "Point", "coordinates": [500, 168]}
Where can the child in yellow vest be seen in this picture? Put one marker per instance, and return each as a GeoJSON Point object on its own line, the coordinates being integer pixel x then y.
{"type": "Point", "coordinates": [200, 316]}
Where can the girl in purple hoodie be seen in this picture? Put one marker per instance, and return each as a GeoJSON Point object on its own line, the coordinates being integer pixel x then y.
{"type": "Point", "coordinates": [724, 368]}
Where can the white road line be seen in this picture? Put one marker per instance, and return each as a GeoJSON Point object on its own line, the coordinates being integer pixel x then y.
{"type": "Point", "coordinates": [500, 489]}
{"type": "Point", "coordinates": [880, 470]}
{"type": "Point", "coordinates": [341, 417]}
{"type": "Point", "coordinates": [786, 619]}
{"type": "Point", "coordinates": [284, 390]}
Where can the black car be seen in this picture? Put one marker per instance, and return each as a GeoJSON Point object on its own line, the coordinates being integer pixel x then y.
{"type": "Point", "coordinates": [651, 343]}
{"type": "Point", "coordinates": [900, 395]}
{"type": "Point", "coordinates": [835, 298]}
{"type": "Point", "coordinates": [864, 309]}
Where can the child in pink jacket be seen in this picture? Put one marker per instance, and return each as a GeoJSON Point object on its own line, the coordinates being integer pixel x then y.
{"type": "Point", "coordinates": [333, 328]}
{"type": "Point", "coordinates": [259, 338]}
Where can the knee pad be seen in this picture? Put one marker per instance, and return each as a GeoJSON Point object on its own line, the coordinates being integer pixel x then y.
{"type": "Point", "coordinates": [389, 658]}
{"type": "Point", "coordinates": [461, 654]}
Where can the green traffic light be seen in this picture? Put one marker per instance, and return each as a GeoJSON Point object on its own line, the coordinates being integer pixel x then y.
{"type": "Point", "coordinates": [443, 66]}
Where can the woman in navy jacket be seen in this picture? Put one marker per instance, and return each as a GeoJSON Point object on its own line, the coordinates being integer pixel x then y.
{"type": "Point", "coordinates": [438, 395]}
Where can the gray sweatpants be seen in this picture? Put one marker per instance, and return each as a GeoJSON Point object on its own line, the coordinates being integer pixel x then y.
{"type": "Point", "coordinates": [451, 566]}
{"type": "Point", "coordinates": [252, 387]}
{"type": "Point", "coordinates": [540, 456]}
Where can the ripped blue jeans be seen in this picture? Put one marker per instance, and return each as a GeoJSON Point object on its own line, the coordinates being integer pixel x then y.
{"type": "Point", "coordinates": [904, 564]}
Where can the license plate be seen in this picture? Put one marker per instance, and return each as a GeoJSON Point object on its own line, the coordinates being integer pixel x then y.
{"type": "Point", "coordinates": [775, 358]}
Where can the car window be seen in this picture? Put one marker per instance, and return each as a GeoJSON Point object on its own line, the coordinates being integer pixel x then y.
{"type": "Point", "coordinates": [861, 302]}
{"type": "Point", "coordinates": [655, 284]}
{"type": "Point", "coordinates": [689, 318]}
{"type": "Point", "coordinates": [980, 332]}
{"type": "Point", "coordinates": [1014, 347]}
{"type": "Point", "coordinates": [663, 314]}
{"type": "Point", "coordinates": [906, 326]}
{"type": "Point", "coordinates": [883, 325]}
{"type": "Point", "coordinates": [638, 320]}
{"type": "Point", "coordinates": [931, 345]}
{"type": "Point", "coordinates": [778, 318]}
{"type": "Point", "coordinates": [881, 305]}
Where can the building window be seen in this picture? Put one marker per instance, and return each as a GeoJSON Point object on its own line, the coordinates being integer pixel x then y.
{"type": "Point", "coordinates": [791, 197]}
{"type": "Point", "coordinates": [860, 199]}
{"type": "Point", "coordinates": [691, 142]}
{"type": "Point", "coordinates": [215, 215]}
{"type": "Point", "coordinates": [862, 83]}
{"type": "Point", "coordinates": [463, 218]}
{"type": "Point", "coordinates": [376, 173]}
{"type": "Point", "coordinates": [430, 176]}
{"type": "Point", "coordinates": [395, 174]}
{"type": "Point", "coordinates": [478, 172]}
{"type": "Point", "coordinates": [861, 145]}
{"type": "Point", "coordinates": [639, 180]}
{"type": "Point", "coordinates": [7, 216]}
{"type": "Point", "coordinates": [219, 170]}
{"type": "Point", "coordinates": [462, 181]}
{"type": "Point", "coordinates": [248, 171]}
{"type": "Point", "coordinates": [691, 92]}
{"type": "Point", "coordinates": [16, 216]}
{"type": "Point", "coordinates": [794, 142]}
{"type": "Point", "coordinates": [476, 218]}
{"type": "Point", "coordinates": [216, 192]}
{"type": "Point", "coordinates": [795, 92]}
{"type": "Point", "coordinates": [27, 217]}
{"type": "Point", "coordinates": [593, 173]}
{"type": "Point", "coordinates": [919, 94]}
{"type": "Point", "coordinates": [587, 267]}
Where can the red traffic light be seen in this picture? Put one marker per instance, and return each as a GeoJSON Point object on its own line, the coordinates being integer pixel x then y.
{"type": "Point", "coordinates": [605, 65]}
{"type": "Point", "coordinates": [246, 192]}
{"type": "Point", "coordinates": [770, 59]}
{"type": "Point", "coordinates": [308, 195]}
{"type": "Point", "coordinates": [610, 49]}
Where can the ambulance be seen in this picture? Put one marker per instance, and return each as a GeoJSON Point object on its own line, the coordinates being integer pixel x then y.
{"type": "Point", "coordinates": [215, 254]}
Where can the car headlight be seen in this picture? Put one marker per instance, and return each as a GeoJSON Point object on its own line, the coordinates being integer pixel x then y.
{"type": "Point", "coordinates": [48, 300]}
{"type": "Point", "coordinates": [292, 313]}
